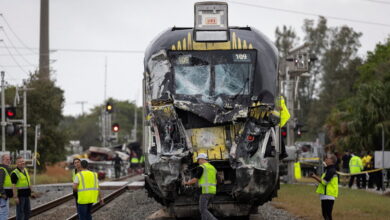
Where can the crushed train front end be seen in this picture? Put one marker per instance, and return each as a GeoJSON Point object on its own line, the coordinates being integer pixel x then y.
{"type": "Point", "coordinates": [213, 97]}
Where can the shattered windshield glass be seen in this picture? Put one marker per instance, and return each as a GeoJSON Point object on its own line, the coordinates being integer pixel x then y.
{"type": "Point", "coordinates": [213, 73]}
{"type": "Point", "coordinates": [192, 80]}
{"type": "Point", "coordinates": [232, 79]}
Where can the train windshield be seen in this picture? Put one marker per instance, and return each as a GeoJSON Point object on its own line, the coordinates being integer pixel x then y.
{"type": "Point", "coordinates": [213, 73]}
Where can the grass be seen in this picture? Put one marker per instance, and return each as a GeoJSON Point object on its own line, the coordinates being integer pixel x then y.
{"type": "Point", "coordinates": [303, 202]}
{"type": "Point", "coordinates": [53, 174]}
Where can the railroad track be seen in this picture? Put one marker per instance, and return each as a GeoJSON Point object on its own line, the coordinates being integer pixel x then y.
{"type": "Point", "coordinates": [62, 200]}
{"type": "Point", "coordinates": [106, 199]}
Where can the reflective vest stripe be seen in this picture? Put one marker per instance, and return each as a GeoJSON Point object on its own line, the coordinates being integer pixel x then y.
{"type": "Point", "coordinates": [89, 189]}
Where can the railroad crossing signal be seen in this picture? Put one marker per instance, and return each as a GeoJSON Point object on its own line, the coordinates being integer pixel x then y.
{"type": "Point", "coordinates": [10, 112]}
{"type": "Point", "coordinates": [109, 107]}
{"type": "Point", "coordinates": [115, 127]}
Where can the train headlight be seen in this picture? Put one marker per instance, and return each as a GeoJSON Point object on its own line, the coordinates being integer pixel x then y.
{"type": "Point", "coordinates": [211, 21]}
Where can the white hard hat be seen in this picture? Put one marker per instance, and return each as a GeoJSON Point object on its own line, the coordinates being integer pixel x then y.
{"type": "Point", "coordinates": [201, 156]}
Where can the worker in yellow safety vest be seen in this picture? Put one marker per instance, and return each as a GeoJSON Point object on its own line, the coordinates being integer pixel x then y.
{"type": "Point", "coordinates": [355, 166]}
{"type": "Point", "coordinates": [21, 186]}
{"type": "Point", "coordinates": [328, 186]}
{"type": "Point", "coordinates": [368, 165]}
{"type": "Point", "coordinates": [206, 177]}
{"type": "Point", "coordinates": [5, 185]}
{"type": "Point", "coordinates": [134, 162]}
{"type": "Point", "coordinates": [283, 114]}
{"type": "Point", "coordinates": [87, 186]}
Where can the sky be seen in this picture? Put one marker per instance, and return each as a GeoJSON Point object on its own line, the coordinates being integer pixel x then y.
{"type": "Point", "coordinates": [85, 35]}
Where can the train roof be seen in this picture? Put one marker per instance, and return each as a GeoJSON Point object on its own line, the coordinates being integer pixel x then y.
{"type": "Point", "coordinates": [240, 38]}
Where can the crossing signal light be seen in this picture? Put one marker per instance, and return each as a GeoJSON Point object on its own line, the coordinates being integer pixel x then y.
{"type": "Point", "coordinates": [10, 112]}
{"type": "Point", "coordinates": [284, 132]}
{"type": "Point", "coordinates": [14, 129]}
{"type": "Point", "coordinates": [109, 107]}
{"type": "Point", "coordinates": [115, 127]}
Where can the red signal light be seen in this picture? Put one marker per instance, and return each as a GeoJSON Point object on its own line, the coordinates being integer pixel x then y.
{"type": "Point", "coordinates": [10, 112]}
{"type": "Point", "coordinates": [115, 127]}
{"type": "Point", "coordinates": [284, 133]}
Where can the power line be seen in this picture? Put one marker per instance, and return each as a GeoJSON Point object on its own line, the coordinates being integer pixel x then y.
{"type": "Point", "coordinates": [13, 32]}
{"type": "Point", "coordinates": [86, 50]}
{"type": "Point", "coordinates": [13, 58]}
{"type": "Point", "coordinates": [12, 44]}
{"type": "Point", "coordinates": [310, 14]}
{"type": "Point", "coordinates": [378, 2]}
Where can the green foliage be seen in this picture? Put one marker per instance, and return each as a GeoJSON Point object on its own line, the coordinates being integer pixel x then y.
{"type": "Point", "coordinates": [86, 127]}
{"type": "Point", "coordinates": [358, 121]}
{"type": "Point", "coordinates": [44, 106]}
{"type": "Point", "coordinates": [332, 77]}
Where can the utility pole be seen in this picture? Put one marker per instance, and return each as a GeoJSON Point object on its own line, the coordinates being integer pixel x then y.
{"type": "Point", "coordinates": [3, 123]}
{"type": "Point", "coordinates": [44, 56]}
{"type": "Point", "coordinates": [103, 127]}
{"type": "Point", "coordinates": [82, 106]}
{"type": "Point", "coordinates": [37, 134]}
{"type": "Point", "coordinates": [25, 125]}
{"type": "Point", "coordinates": [24, 120]}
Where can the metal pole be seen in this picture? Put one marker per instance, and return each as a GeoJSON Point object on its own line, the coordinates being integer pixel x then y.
{"type": "Point", "coordinates": [37, 128]}
{"type": "Point", "coordinates": [104, 127]}
{"type": "Point", "coordinates": [290, 106]}
{"type": "Point", "coordinates": [135, 121]}
{"type": "Point", "coordinates": [24, 121]}
{"type": "Point", "coordinates": [383, 157]}
{"type": "Point", "coordinates": [109, 131]}
{"type": "Point", "coordinates": [3, 124]}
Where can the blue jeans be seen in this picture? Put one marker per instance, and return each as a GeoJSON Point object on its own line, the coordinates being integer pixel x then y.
{"type": "Point", "coordinates": [23, 208]}
{"type": "Point", "coordinates": [4, 208]}
{"type": "Point", "coordinates": [204, 200]}
{"type": "Point", "coordinates": [84, 211]}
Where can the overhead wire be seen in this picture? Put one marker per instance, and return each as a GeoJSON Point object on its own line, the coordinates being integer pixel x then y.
{"type": "Point", "coordinates": [378, 2]}
{"type": "Point", "coordinates": [14, 33]}
{"type": "Point", "coordinates": [89, 50]}
{"type": "Point", "coordinates": [309, 14]}
{"type": "Point", "coordinates": [14, 59]}
{"type": "Point", "coordinates": [17, 51]}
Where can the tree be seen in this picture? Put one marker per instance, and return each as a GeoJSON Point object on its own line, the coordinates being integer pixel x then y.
{"type": "Point", "coordinates": [44, 106]}
{"type": "Point", "coordinates": [362, 117]}
{"type": "Point", "coordinates": [86, 127]}
{"type": "Point", "coordinates": [336, 67]}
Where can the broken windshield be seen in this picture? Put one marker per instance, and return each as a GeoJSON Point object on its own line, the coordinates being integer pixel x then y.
{"type": "Point", "coordinates": [192, 80]}
{"type": "Point", "coordinates": [213, 73]}
{"type": "Point", "coordinates": [232, 79]}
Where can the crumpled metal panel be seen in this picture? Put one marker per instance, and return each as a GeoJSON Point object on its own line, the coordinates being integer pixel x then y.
{"type": "Point", "coordinates": [158, 78]}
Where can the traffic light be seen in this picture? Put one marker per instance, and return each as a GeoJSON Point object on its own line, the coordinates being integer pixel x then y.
{"type": "Point", "coordinates": [115, 127]}
{"type": "Point", "coordinates": [10, 112]}
{"type": "Point", "coordinates": [14, 129]}
{"type": "Point", "coordinates": [109, 107]}
{"type": "Point", "coordinates": [283, 134]}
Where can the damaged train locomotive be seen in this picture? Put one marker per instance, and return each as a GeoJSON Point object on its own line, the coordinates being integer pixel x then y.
{"type": "Point", "coordinates": [211, 89]}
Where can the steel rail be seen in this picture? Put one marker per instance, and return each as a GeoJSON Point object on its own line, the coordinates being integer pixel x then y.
{"type": "Point", "coordinates": [45, 207]}
{"type": "Point", "coordinates": [106, 199]}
